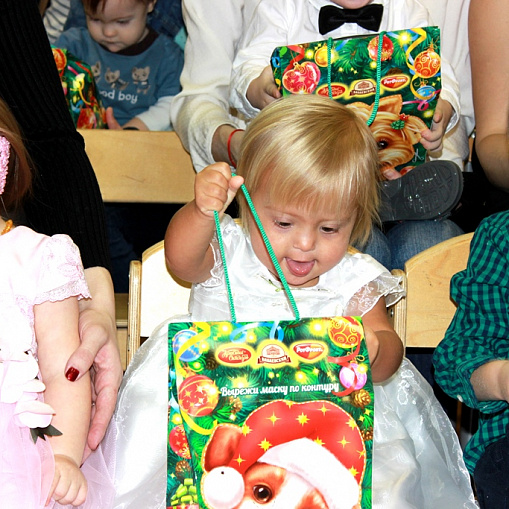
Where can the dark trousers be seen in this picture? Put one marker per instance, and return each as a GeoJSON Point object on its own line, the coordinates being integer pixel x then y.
{"type": "Point", "coordinates": [491, 476]}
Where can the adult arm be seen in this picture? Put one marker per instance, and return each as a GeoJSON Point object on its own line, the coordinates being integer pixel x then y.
{"type": "Point", "coordinates": [200, 112]}
{"type": "Point", "coordinates": [489, 53]}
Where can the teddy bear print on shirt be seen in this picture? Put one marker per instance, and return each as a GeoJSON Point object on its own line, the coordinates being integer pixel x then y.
{"type": "Point", "coordinates": [140, 78]}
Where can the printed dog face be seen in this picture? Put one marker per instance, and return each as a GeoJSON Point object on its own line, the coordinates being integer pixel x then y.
{"type": "Point", "coordinates": [395, 133]}
{"type": "Point", "coordinates": [264, 486]}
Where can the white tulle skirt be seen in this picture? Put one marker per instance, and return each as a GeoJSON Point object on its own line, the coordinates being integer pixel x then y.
{"type": "Point", "coordinates": [417, 459]}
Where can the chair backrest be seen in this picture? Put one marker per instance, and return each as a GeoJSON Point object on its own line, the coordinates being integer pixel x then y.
{"type": "Point", "coordinates": [154, 295]}
{"type": "Point", "coordinates": [428, 306]}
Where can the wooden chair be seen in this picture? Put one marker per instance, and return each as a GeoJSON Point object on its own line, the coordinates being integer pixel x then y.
{"type": "Point", "coordinates": [428, 308]}
{"type": "Point", "coordinates": [154, 295]}
{"type": "Point", "coordinates": [138, 167]}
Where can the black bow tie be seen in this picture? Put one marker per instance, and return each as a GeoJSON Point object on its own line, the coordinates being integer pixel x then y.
{"type": "Point", "coordinates": [368, 17]}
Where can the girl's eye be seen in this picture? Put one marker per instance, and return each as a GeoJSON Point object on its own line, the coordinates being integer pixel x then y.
{"type": "Point", "coordinates": [330, 229]}
{"type": "Point", "coordinates": [282, 224]}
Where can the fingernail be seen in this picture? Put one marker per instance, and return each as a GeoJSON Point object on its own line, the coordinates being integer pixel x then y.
{"type": "Point", "coordinates": [72, 374]}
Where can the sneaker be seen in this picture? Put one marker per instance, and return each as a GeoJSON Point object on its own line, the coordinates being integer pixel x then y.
{"type": "Point", "coordinates": [429, 191]}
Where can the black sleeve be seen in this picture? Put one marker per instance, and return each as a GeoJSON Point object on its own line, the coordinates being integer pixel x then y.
{"type": "Point", "coordinates": [66, 196]}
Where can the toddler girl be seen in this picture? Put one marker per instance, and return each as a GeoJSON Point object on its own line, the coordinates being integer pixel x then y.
{"type": "Point", "coordinates": [311, 167]}
{"type": "Point", "coordinates": [44, 418]}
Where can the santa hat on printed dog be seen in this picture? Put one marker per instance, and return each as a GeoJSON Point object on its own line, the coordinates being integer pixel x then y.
{"type": "Point", "coordinates": [318, 440]}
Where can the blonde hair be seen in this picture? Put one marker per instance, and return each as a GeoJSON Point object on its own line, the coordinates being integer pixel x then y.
{"type": "Point", "coordinates": [312, 151]}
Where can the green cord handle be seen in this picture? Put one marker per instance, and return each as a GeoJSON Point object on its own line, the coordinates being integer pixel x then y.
{"type": "Point", "coordinates": [269, 250]}
{"type": "Point", "coordinates": [378, 73]}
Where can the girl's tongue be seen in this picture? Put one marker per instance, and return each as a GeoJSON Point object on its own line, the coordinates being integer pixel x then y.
{"type": "Point", "coordinates": [299, 268]}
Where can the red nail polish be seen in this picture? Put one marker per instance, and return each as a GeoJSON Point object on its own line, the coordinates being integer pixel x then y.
{"type": "Point", "coordinates": [72, 374]}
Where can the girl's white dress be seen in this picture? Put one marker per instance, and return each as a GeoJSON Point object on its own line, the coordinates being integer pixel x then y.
{"type": "Point", "coordinates": [417, 459]}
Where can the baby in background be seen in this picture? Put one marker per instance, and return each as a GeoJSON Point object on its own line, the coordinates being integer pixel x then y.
{"type": "Point", "coordinates": [137, 70]}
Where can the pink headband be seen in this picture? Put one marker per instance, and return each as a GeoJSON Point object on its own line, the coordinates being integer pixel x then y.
{"type": "Point", "coordinates": [5, 150]}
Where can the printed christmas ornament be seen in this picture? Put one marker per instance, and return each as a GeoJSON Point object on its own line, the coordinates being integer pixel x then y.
{"type": "Point", "coordinates": [427, 63]}
{"type": "Point", "coordinates": [178, 442]}
{"type": "Point", "coordinates": [302, 79]}
{"type": "Point", "coordinates": [387, 48]}
{"type": "Point", "coordinates": [198, 395]}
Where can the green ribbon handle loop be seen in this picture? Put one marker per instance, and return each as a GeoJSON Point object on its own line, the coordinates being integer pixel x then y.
{"type": "Point", "coordinates": [269, 250]}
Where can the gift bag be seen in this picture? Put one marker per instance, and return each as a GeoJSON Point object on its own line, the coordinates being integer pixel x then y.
{"type": "Point", "coordinates": [394, 86]}
{"type": "Point", "coordinates": [81, 94]}
{"type": "Point", "coordinates": [269, 412]}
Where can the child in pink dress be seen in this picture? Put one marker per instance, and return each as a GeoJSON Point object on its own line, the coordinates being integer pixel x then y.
{"type": "Point", "coordinates": [44, 418]}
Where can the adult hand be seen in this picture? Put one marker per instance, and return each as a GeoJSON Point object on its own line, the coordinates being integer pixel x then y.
{"type": "Point", "coordinates": [263, 90]}
{"type": "Point", "coordinates": [98, 352]}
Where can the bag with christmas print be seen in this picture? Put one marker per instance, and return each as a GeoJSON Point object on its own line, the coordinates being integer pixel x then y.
{"type": "Point", "coordinates": [394, 86]}
{"type": "Point", "coordinates": [270, 412]}
{"type": "Point", "coordinates": [80, 90]}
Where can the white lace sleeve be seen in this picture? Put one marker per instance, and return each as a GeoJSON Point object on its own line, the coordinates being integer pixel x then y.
{"type": "Point", "coordinates": [385, 285]}
{"type": "Point", "coordinates": [61, 273]}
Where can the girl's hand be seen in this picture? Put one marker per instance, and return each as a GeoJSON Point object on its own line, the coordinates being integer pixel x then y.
{"type": "Point", "coordinates": [215, 189]}
{"type": "Point", "coordinates": [431, 139]}
{"type": "Point", "coordinates": [69, 484]}
{"type": "Point", "coordinates": [263, 90]}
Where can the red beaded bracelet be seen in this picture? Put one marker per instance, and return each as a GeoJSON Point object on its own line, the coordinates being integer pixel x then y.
{"type": "Point", "coordinates": [228, 143]}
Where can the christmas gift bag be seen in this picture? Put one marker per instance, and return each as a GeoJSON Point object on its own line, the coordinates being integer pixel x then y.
{"type": "Point", "coordinates": [395, 86]}
{"type": "Point", "coordinates": [80, 90]}
{"type": "Point", "coordinates": [270, 412]}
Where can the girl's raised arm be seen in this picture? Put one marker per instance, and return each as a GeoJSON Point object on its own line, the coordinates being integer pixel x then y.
{"type": "Point", "coordinates": [187, 240]}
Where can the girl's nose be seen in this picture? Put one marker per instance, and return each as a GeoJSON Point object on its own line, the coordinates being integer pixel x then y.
{"type": "Point", "coordinates": [305, 241]}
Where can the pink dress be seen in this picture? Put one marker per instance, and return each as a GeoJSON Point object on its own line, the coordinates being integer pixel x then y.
{"type": "Point", "coordinates": [34, 269]}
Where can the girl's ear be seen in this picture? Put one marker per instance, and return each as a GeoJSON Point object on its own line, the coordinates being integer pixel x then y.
{"type": "Point", "coordinates": [151, 5]}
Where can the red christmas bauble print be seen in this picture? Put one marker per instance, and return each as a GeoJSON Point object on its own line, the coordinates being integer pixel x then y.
{"type": "Point", "coordinates": [178, 442]}
{"type": "Point", "coordinates": [60, 59]}
{"type": "Point", "coordinates": [345, 332]}
{"type": "Point", "coordinates": [387, 48]}
{"type": "Point", "coordinates": [86, 119]}
{"type": "Point", "coordinates": [427, 63]}
{"type": "Point", "coordinates": [198, 395]}
{"type": "Point", "coordinates": [302, 79]}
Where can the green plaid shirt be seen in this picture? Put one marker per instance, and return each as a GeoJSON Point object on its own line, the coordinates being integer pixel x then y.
{"type": "Point", "coordinates": [479, 331]}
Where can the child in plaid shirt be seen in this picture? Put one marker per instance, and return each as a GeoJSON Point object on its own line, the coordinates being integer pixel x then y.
{"type": "Point", "coordinates": [472, 362]}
